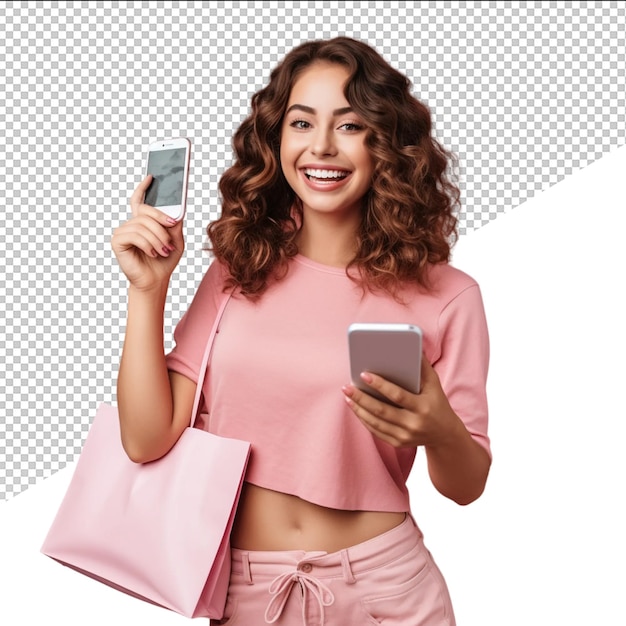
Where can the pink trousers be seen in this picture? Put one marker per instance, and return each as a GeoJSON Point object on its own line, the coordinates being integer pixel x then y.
{"type": "Point", "coordinates": [390, 579]}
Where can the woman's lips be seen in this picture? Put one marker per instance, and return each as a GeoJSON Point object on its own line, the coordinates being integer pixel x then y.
{"type": "Point", "coordinates": [326, 179]}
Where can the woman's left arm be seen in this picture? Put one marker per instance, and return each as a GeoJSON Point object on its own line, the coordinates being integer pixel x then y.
{"type": "Point", "coordinates": [458, 465]}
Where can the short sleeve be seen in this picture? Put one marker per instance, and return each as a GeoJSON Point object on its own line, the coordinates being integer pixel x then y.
{"type": "Point", "coordinates": [463, 362]}
{"type": "Point", "coordinates": [192, 331]}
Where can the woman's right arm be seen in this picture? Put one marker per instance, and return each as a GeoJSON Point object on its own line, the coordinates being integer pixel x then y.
{"type": "Point", "coordinates": [154, 405]}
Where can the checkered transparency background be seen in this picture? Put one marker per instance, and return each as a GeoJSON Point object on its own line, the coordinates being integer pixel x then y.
{"type": "Point", "coordinates": [524, 93]}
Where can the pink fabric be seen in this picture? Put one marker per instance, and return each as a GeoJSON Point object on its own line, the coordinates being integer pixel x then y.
{"type": "Point", "coordinates": [391, 579]}
{"type": "Point", "coordinates": [278, 366]}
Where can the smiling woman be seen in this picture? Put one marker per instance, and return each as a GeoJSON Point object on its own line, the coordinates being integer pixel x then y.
{"type": "Point", "coordinates": [338, 209]}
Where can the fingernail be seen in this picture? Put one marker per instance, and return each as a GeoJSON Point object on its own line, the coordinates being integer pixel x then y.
{"type": "Point", "coordinates": [166, 251]}
{"type": "Point", "coordinates": [171, 220]}
{"type": "Point", "coordinates": [366, 377]}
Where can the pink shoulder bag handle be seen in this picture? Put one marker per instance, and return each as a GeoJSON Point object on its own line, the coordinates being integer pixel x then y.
{"type": "Point", "coordinates": [122, 522]}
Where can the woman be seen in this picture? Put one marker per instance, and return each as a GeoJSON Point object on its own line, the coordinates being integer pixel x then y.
{"type": "Point", "coordinates": [337, 209]}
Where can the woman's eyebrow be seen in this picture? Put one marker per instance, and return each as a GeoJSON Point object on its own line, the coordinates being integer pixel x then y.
{"type": "Point", "coordinates": [312, 111]}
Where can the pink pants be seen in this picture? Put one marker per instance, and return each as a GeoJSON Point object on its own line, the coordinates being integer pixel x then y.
{"type": "Point", "coordinates": [390, 579]}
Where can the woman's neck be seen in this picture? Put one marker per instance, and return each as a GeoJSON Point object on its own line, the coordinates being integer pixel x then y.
{"type": "Point", "coordinates": [327, 241]}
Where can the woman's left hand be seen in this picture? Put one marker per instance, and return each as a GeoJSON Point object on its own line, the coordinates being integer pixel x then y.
{"type": "Point", "coordinates": [424, 419]}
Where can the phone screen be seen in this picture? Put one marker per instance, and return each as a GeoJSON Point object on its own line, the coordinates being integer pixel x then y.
{"type": "Point", "coordinates": [394, 351]}
{"type": "Point", "coordinates": [168, 171]}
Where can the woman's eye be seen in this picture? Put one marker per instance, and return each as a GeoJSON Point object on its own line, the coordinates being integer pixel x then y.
{"type": "Point", "coordinates": [299, 124]}
{"type": "Point", "coordinates": [352, 127]}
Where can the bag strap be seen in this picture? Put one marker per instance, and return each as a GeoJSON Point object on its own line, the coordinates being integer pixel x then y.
{"type": "Point", "coordinates": [207, 354]}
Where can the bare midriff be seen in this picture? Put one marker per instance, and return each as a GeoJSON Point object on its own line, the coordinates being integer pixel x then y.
{"type": "Point", "coordinates": [269, 520]}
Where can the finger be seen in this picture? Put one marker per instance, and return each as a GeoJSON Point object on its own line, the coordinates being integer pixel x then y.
{"type": "Point", "coordinates": [374, 415]}
{"type": "Point", "coordinates": [373, 406]}
{"type": "Point", "coordinates": [140, 192]}
{"type": "Point", "coordinates": [154, 224]}
{"type": "Point", "coordinates": [380, 434]}
{"type": "Point", "coordinates": [173, 228]}
{"type": "Point", "coordinates": [138, 243]}
{"type": "Point", "coordinates": [175, 231]}
{"type": "Point", "coordinates": [396, 394]}
{"type": "Point", "coordinates": [158, 223]}
{"type": "Point", "coordinates": [144, 234]}
{"type": "Point", "coordinates": [429, 374]}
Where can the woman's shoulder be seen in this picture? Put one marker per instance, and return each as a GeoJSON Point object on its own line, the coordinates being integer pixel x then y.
{"type": "Point", "coordinates": [208, 292]}
{"type": "Point", "coordinates": [446, 281]}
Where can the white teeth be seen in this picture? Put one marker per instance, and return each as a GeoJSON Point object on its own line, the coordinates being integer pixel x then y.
{"type": "Point", "coordinates": [325, 173]}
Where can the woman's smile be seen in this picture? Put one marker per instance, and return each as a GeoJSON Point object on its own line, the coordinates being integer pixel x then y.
{"type": "Point", "coordinates": [322, 179]}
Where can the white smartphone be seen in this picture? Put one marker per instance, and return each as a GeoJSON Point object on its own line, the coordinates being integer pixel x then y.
{"type": "Point", "coordinates": [168, 162]}
{"type": "Point", "coordinates": [391, 350]}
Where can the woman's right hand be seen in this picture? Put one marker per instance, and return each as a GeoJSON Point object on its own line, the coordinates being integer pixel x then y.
{"type": "Point", "coordinates": [148, 246]}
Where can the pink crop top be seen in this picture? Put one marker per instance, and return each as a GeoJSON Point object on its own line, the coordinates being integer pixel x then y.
{"type": "Point", "coordinates": [278, 366]}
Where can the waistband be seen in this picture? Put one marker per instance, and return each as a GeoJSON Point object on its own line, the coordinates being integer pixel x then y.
{"type": "Point", "coordinates": [346, 563]}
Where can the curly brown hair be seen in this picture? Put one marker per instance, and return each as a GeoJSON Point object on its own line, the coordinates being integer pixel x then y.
{"type": "Point", "coordinates": [409, 217]}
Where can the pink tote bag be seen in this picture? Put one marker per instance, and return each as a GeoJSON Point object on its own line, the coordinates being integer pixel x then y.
{"type": "Point", "coordinates": [158, 531]}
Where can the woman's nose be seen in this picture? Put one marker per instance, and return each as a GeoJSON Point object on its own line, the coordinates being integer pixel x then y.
{"type": "Point", "coordinates": [322, 143]}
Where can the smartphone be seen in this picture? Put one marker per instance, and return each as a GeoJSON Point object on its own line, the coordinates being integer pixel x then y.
{"type": "Point", "coordinates": [391, 350]}
{"type": "Point", "coordinates": [168, 162]}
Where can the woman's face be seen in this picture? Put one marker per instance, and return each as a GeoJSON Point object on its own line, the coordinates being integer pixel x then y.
{"type": "Point", "coordinates": [322, 150]}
